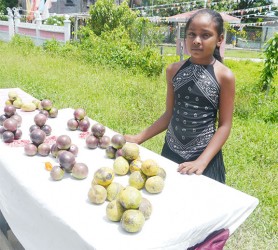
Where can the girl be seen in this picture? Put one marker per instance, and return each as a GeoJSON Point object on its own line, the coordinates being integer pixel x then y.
{"type": "Point", "coordinates": [199, 90]}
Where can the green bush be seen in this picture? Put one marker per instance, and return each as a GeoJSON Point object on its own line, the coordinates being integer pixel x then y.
{"type": "Point", "coordinates": [271, 63]}
{"type": "Point", "coordinates": [3, 17]}
{"type": "Point", "coordinates": [116, 48]}
{"type": "Point", "coordinates": [55, 20]}
{"type": "Point", "coordinates": [106, 16]}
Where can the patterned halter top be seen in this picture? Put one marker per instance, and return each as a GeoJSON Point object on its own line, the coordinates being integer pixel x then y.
{"type": "Point", "coordinates": [195, 110]}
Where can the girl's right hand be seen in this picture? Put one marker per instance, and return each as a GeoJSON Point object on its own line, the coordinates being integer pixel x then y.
{"type": "Point", "coordinates": [132, 138]}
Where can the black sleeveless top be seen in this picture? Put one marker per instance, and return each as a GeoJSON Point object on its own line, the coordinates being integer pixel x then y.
{"type": "Point", "coordinates": [194, 117]}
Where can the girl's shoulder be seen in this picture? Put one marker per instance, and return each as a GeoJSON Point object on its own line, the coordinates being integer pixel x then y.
{"type": "Point", "coordinates": [223, 73]}
{"type": "Point", "coordinates": [173, 68]}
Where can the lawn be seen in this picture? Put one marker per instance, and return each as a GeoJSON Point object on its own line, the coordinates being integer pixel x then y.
{"type": "Point", "coordinates": [128, 102]}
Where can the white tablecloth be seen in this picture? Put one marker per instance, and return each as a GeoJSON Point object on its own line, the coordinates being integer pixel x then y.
{"type": "Point", "coordinates": [45, 214]}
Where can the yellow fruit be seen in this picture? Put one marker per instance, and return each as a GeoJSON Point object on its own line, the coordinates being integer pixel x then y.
{"type": "Point", "coordinates": [150, 167]}
{"type": "Point", "coordinates": [130, 151]}
{"type": "Point", "coordinates": [97, 194]}
{"type": "Point", "coordinates": [162, 173]}
{"type": "Point", "coordinates": [135, 165]}
{"type": "Point", "coordinates": [113, 191]}
{"type": "Point", "coordinates": [137, 179]}
{"type": "Point", "coordinates": [146, 208]}
{"type": "Point", "coordinates": [132, 220]}
{"type": "Point", "coordinates": [12, 94]}
{"type": "Point", "coordinates": [28, 107]}
{"type": "Point", "coordinates": [17, 103]}
{"type": "Point", "coordinates": [37, 103]}
{"type": "Point", "coordinates": [154, 184]}
{"type": "Point", "coordinates": [104, 176]}
{"type": "Point", "coordinates": [114, 210]}
{"type": "Point", "coordinates": [130, 197]}
{"type": "Point", "coordinates": [121, 166]}
{"type": "Point", "coordinates": [8, 102]}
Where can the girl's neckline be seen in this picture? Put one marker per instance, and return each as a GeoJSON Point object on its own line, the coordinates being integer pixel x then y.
{"type": "Point", "coordinates": [211, 63]}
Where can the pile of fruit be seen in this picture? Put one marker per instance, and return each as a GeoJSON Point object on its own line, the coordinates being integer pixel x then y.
{"type": "Point", "coordinates": [97, 137]}
{"type": "Point", "coordinates": [126, 204]}
{"type": "Point", "coordinates": [66, 152]}
{"type": "Point", "coordinates": [79, 121]}
{"type": "Point", "coordinates": [46, 107]}
{"type": "Point", "coordinates": [14, 99]}
{"type": "Point", "coordinates": [10, 122]}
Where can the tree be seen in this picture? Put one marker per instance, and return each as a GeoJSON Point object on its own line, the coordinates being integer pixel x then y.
{"type": "Point", "coordinates": [271, 63]}
{"type": "Point", "coordinates": [7, 3]}
{"type": "Point", "coordinates": [106, 16]}
{"type": "Point", "coordinates": [245, 4]}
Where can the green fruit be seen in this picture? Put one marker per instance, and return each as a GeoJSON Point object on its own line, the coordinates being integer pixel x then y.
{"type": "Point", "coordinates": [154, 184]}
{"type": "Point", "coordinates": [121, 166]}
{"type": "Point", "coordinates": [12, 94]}
{"type": "Point", "coordinates": [130, 198]}
{"type": "Point", "coordinates": [17, 103]}
{"type": "Point", "coordinates": [28, 106]}
{"type": "Point", "coordinates": [132, 220]}
{"type": "Point", "coordinates": [114, 210]}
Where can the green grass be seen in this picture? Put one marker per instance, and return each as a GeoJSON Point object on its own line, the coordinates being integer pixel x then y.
{"type": "Point", "coordinates": [243, 53]}
{"type": "Point", "coordinates": [128, 102]}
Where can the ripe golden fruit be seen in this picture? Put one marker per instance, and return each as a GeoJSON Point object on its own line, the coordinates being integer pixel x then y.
{"type": "Point", "coordinates": [130, 151]}
{"type": "Point", "coordinates": [132, 220]}
{"type": "Point", "coordinates": [121, 166]}
{"type": "Point", "coordinates": [130, 197]}
{"type": "Point", "coordinates": [137, 179]}
{"type": "Point", "coordinates": [113, 191]}
{"type": "Point", "coordinates": [97, 194]}
{"type": "Point", "coordinates": [135, 165]}
{"type": "Point", "coordinates": [150, 167]}
{"type": "Point", "coordinates": [104, 176]}
{"type": "Point", "coordinates": [154, 184]}
{"type": "Point", "coordinates": [114, 210]}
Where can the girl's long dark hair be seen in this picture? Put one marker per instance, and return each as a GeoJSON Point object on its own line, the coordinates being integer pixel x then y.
{"type": "Point", "coordinates": [219, 25]}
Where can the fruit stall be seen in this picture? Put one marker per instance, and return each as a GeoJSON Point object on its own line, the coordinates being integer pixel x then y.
{"type": "Point", "coordinates": [69, 182]}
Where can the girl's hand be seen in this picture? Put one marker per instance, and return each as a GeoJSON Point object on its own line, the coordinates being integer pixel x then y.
{"type": "Point", "coordinates": [191, 167]}
{"type": "Point", "coordinates": [132, 138]}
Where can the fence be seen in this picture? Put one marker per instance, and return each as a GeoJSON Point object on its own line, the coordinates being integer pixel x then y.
{"type": "Point", "coordinates": [37, 31]}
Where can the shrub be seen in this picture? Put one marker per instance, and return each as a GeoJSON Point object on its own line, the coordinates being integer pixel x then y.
{"type": "Point", "coordinates": [106, 16]}
{"type": "Point", "coordinates": [55, 20]}
{"type": "Point", "coordinates": [271, 63]}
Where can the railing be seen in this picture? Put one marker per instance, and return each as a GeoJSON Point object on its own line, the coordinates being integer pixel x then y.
{"type": "Point", "coordinates": [37, 31]}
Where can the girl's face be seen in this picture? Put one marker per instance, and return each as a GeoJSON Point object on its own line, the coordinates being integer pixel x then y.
{"type": "Point", "coordinates": [202, 38]}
